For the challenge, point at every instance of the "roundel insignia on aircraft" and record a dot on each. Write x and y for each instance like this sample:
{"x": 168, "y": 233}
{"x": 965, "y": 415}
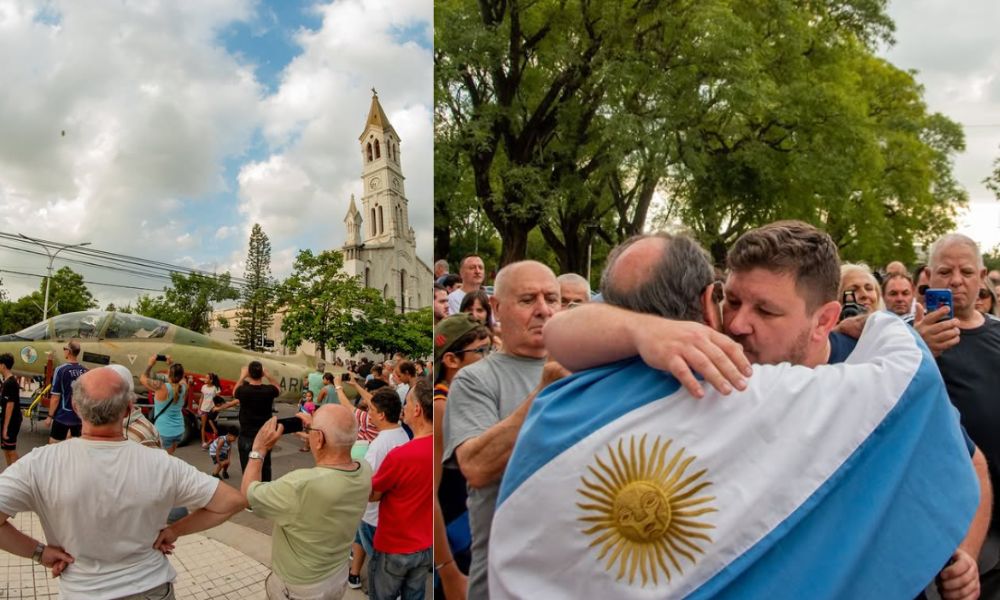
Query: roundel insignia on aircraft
{"x": 29, "y": 355}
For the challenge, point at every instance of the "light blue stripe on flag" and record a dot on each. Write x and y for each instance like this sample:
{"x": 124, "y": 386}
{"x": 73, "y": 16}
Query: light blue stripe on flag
{"x": 892, "y": 505}
{"x": 600, "y": 395}
{"x": 850, "y": 481}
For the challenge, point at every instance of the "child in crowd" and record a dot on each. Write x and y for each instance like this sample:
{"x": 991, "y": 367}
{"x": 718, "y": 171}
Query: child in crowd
{"x": 308, "y": 406}
{"x": 219, "y": 451}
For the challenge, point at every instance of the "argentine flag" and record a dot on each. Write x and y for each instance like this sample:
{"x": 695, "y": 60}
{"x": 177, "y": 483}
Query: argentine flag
{"x": 845, "y": 481}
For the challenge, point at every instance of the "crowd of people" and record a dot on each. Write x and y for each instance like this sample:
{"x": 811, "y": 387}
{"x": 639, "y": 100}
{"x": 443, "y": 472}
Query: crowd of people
{"x": 784, "y": 297}
{"x": 113, "y": 499}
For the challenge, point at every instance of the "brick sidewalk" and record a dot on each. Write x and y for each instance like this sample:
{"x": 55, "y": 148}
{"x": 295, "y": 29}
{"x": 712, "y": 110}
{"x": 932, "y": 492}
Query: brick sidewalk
{"x": 206, "y": 568}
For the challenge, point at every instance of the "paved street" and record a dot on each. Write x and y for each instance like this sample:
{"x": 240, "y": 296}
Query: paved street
{"x": 229, "y": 561}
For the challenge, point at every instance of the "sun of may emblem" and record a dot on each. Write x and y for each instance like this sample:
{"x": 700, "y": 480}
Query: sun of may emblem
{"x": 642, "y": 509}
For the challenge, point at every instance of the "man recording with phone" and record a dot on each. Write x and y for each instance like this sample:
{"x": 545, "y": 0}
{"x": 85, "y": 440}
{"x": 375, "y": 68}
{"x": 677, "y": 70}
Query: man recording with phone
{"x": 967, "y": 348}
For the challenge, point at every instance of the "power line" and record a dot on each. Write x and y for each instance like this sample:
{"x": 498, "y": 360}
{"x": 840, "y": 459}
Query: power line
{"x": 119, "y": 285}
{"x": 96, "y": 254}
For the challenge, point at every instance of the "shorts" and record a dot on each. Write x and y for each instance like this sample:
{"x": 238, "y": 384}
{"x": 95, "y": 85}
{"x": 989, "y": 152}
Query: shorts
{"x": 167, "y": 442}
{"x": 221, "y": 458}
{"x": 59, "y": 430}
{"x": 211, "y": 414}
{"x": 365, "y": 537}
{"x": 14, "y": 428}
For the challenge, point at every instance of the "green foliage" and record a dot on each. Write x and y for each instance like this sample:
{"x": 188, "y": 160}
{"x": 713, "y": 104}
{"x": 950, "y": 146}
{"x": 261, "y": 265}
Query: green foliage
{"x": 325, "y": 306}
{"x": 319, "y": 300}
{"x": 67, "y": 293}
{"x": 19, "y": 314}
{"x": 991, "y": 259}
{"x": 569, "y": 118}
{"x": 256, "y": 312}
{"x": 188, "y": 303}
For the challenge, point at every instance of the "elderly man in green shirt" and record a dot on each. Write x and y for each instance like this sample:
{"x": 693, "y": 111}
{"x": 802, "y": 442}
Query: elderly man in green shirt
{"x": 311, "y": 541}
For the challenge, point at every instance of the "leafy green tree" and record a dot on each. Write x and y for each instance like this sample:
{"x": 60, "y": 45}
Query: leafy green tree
{"x": 571, "y": 117}
{"x": 188, "y": 303}
{"x": 319, "y": 300}
{"x": 256, "y": 312}
{"x": 67, "y": 293}
{"x": 19, "y": 314}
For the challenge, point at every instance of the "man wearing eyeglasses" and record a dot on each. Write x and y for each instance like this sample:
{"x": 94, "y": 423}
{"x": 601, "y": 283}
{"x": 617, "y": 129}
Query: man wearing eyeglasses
{"x": 459, "y": 341}
{"x": 488, "y": 400}
{"x": 63, "y": 420}
{"x": 316, "y": 511}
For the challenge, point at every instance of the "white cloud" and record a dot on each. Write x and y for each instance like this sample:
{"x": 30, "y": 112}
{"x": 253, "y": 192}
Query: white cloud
{"x": 124, "y": 115}
{"x": 315, "y": 117}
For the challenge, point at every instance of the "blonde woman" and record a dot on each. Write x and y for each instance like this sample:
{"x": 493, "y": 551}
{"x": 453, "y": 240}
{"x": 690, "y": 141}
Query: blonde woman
{"x": 858, "y": 278}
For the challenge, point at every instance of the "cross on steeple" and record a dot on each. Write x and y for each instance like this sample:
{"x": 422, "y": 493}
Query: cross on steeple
{"x": 374, "y": 93}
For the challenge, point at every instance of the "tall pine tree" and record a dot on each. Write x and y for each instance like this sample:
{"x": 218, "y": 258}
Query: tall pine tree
{"x": 257, "y": 298}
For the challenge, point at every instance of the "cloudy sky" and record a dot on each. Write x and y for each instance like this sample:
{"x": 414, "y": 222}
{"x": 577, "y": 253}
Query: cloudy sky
{"x": 165, "y": 130}
{"x": 954, "y": 48}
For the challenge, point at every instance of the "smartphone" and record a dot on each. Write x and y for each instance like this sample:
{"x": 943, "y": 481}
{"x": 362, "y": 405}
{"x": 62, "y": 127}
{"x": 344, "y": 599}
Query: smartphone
{"x": 292, "y": 424}
{"x": 345, "y": 376}
{"x": 161, "y": 357}
{"x": 936, "y": 298}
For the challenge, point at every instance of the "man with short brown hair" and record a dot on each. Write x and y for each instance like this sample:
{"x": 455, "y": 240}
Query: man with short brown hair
{"x": 63, "y": 420}
{"x": 473, "y": 272}
{"x": 898, "y": 293}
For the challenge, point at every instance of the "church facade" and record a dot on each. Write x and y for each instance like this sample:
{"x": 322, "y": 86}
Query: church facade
{"x": 380, "y": 248}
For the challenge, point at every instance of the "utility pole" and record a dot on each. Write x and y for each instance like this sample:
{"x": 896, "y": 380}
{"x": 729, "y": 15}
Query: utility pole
{"x": 52, "y": 257}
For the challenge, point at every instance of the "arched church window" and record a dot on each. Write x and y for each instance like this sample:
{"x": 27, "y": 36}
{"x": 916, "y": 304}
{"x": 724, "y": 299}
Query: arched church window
{"x": 385, "y": 292}
{"x": 369, "y": 151}
{"x": 381, "y": 221}
{"x": 368, "y": 273}
{"x": 378, "y": 151}
{"x": 374, "y": 224}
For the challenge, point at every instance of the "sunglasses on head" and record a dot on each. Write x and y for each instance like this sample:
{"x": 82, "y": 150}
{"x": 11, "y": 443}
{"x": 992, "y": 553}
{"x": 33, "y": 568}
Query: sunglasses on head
{"x": 984, "y": 294}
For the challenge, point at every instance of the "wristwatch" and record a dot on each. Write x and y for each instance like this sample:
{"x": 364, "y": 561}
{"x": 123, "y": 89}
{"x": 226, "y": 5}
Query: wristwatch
{"x": 255, "y": 454}
{"x": 37, "y": 555}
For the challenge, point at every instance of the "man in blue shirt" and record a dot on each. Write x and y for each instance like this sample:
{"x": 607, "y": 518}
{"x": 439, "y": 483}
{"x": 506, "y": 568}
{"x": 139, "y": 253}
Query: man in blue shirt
{"x": 63, "y": 421}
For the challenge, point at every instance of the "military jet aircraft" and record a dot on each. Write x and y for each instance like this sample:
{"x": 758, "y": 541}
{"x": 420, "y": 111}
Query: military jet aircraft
{"x": 129, "y": 340}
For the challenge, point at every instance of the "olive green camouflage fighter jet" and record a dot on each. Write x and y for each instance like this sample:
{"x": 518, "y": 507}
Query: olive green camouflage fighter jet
{"x": 129, "y": 340}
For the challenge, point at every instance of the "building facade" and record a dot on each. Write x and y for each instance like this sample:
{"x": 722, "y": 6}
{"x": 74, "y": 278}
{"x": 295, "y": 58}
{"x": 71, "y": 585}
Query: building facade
{"x": 381, "y": 246}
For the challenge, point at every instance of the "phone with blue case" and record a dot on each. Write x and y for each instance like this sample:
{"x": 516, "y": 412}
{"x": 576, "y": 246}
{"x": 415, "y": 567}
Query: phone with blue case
{"x": 935, "y": 299}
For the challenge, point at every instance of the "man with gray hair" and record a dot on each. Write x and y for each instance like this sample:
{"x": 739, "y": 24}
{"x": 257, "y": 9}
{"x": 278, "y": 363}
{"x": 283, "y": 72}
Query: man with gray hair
{"x": 967, "y": 348}
{"x": 487, "y": 401}
{"x": 574, "y": 290}
{"x": 103, "y": 500}
{"x": 316, "y": 510}
{"x": 440, "y": 269}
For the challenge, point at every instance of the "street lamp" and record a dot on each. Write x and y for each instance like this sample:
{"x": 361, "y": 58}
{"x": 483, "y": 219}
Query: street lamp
{"x": 52, "y": 257}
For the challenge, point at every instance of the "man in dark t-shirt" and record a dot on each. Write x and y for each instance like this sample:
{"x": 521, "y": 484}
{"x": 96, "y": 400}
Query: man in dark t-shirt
{"x": 256, "y": 401}
{"x": 10, "y": 409}
{"x": 968, "y": 352}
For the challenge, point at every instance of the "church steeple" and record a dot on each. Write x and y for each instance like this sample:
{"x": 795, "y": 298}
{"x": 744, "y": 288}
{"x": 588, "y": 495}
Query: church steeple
{"x": 376, "y": 117}
{"x": 383, "y": 202}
